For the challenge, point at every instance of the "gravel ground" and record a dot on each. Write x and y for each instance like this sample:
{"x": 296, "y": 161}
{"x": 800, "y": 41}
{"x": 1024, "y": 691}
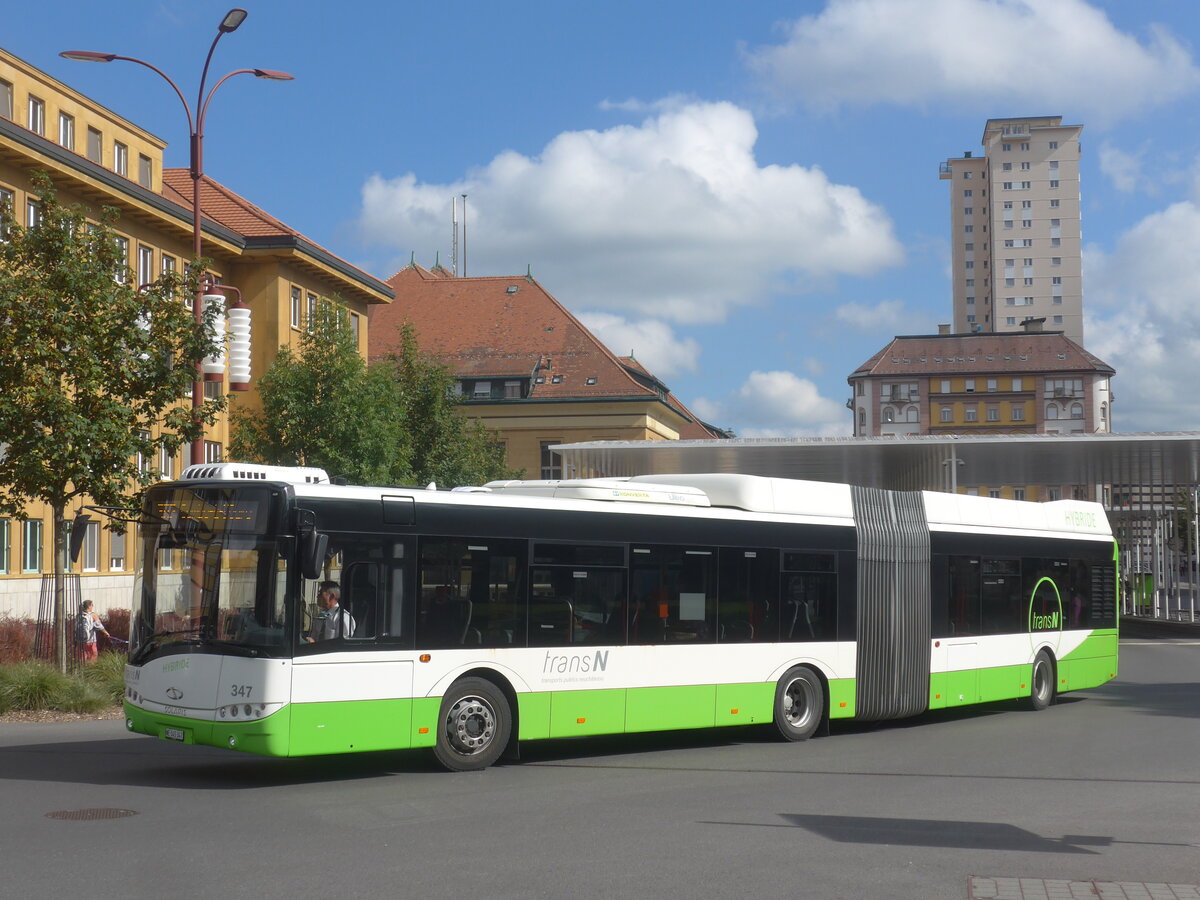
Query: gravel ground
{"x": 54, "y": 715}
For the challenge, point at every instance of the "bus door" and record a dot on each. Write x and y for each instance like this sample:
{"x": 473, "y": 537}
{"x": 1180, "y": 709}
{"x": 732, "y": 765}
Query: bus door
{"x": 956, "y": 654}
{"x": 349, "y": 691}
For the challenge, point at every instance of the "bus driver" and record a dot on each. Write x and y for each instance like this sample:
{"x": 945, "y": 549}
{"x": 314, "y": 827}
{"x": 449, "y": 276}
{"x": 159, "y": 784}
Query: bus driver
{"x": 333, "y": 622}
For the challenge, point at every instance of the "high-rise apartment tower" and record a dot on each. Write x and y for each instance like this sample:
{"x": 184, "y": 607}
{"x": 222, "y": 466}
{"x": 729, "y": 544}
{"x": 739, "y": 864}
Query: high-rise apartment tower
{"x": 1014, "y": 224}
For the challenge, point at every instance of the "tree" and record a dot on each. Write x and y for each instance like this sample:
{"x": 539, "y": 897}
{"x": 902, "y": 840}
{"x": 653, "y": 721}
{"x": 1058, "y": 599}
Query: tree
{"x": 391, "y": 422}
{"x": 322, "y": 406}
{"x": 446, "y": 447}
{"x": 92, "y": 368}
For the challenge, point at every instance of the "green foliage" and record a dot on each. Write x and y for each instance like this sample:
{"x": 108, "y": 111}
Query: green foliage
{"x": 321, "y": 406}
{"x": 35, "y": 685}
{"x": 89, "y": 366}
{"x": 392, "y": 422}
{"x": 106, "y": 675}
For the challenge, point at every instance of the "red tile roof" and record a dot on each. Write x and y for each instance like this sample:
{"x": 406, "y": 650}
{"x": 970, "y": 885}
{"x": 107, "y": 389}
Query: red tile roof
{"x": 509, "y": 326}
{"x": 225, "y": 207}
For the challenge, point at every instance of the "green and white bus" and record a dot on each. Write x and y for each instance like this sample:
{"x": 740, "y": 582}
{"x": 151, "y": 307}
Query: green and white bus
{"x": 472, "y": 619}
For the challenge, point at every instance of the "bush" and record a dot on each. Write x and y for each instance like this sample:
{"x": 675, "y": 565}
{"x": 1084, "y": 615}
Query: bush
{"x": 107, "y": 675}
{"x": 117, "y": 623}
{"x": 16, "y": 639}
{"x": 35, "y": 685}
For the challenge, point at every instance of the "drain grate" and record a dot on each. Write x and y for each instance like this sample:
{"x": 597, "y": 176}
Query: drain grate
{"x": 91, "y": 815}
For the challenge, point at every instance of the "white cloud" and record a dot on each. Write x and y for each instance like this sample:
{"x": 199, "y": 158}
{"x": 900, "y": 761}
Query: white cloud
{"x": 889, "y": 316}
{"x": 672, "y": 219}
{"x": 1123, "y": 169}
{"x": 1000, "y": 54}
{"x": 777, "y": 404}
{"x": 1143, "y": 319}
{"x": 653, "y": 343}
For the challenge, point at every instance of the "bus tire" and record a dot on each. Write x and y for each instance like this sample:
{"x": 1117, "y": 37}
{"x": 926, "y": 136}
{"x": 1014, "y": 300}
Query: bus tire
{"x": 1042, "y": 686}
{"x": 799, "y": 704}
{"x": 473, "y": 726}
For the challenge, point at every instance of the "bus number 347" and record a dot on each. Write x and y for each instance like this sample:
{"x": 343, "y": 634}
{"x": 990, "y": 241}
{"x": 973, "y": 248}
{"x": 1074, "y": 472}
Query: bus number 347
{"x": 241, "y": 690}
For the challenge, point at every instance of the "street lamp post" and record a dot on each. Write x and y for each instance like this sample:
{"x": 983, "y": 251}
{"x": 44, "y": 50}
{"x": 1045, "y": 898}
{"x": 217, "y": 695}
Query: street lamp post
{"x": 195, "y": 118}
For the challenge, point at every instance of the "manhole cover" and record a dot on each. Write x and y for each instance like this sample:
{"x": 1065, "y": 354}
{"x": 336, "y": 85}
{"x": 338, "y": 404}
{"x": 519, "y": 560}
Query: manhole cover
{"x": 90, "y": 815}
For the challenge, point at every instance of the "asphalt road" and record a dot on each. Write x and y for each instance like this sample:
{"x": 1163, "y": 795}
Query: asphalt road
{"x": 1103, "y": 786}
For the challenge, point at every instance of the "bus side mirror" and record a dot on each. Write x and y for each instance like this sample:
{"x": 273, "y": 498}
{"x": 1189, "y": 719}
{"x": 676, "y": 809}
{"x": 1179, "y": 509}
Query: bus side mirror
{"x": 312, "y": 544}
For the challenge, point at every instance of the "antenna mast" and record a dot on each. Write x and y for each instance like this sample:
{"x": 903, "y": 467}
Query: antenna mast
{"x": 454, "y": 235}
{"x": 464, "y": 243}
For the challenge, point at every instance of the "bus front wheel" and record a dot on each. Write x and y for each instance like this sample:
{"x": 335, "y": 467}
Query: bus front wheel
{"x": 473, "y": 726}
{"x": 799, "y": 704}
{"x": 1042, "y": 691}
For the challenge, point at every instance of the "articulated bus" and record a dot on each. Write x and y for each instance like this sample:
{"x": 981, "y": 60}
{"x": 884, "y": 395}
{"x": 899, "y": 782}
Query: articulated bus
{"x": 470, "y": 620}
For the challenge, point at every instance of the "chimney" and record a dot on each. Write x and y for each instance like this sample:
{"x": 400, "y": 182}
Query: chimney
{"x": 1033, "y": 326}
{"x": 944, "y": 328}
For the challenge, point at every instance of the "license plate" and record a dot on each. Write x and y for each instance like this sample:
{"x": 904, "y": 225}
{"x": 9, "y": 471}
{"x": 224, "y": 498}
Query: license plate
{"x": 174, "y": 734}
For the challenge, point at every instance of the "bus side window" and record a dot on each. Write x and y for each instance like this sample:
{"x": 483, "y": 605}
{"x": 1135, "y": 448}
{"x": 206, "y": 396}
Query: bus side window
{"x": 964, "y": 613}
{"x": 808, "y": 608}
{"x": 748, "y": 608}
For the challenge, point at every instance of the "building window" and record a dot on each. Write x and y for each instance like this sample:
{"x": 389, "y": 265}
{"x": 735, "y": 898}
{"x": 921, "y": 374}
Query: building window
{"x": 5, "y": 545}
{"x": 993, "y": 414}
{"x": 969, "y": 385}
{"x": 1076, "y": 410}
{"x": 512, "y": 390}
{"x": 945, "y": 386}
{"x": 1007, "y": 185}
{"x": 33, "y": 213}
{"x": 37, "y": 115}
{"x": 1024, "y": 145}
{"x": 970, "y": 282}
{"x": 312, "y": 311}
{"x": 1024, "y": 167}
{"x": 31, "y": 546}
{"x": 889, "y": 415}
{"x": 946, "y": 414}
{"x": 95, "y": 145}
{"x": 121, "y": 275}
{"x": 966, "y": 174}
{"x": 967, "y": 192}
{"x": 1027, "y": 223}
{"x": 968, "y": 247}
{"x": 356, "y": 327}
{"x": 145, "y": 171}
{"x": 991, "y": 385}
{"x": 120, "y": 158}
{"x": 967, "y": 211}
{"x": 994, "y": 493}
{"x": 1007, "y": 167}
{"x": 1006, "y": 147}
{"x": 143, "y": 463}
{"x": 6, "y": 203}
{"x": 1056, "y": 260}
{"x": 970, "y": 264}
{"x": 1018, "y": 493}
{"x": 1057, "y": 320}
{"x": 166, "y": 463}
{"x": 1053, "y": 182}
{"x": 212, "y": 451}
{"x": 968, "y": 229}
{"x": 551, "y": 461}
{"x": 1054, "y": 204}
{"x": 1054, "y": 145}
{"x": 482, "y": 390}
{"x": 91, "y": 547}
{"x": 116, "y": 550}
{"x": 1016, "y": 384}
{"x": 1018, "y": 413}
{"x": 297, "y": 307}
{"x": 970, "y": 413}
{"x": 1010, "y": 320}
{"x": 6, "y": 99}
{"x": 145, "y": 265}
{"x": 66, "y": 130}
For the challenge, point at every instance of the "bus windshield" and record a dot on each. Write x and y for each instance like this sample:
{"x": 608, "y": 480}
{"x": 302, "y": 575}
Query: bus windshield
{"x": 211, "y": 573}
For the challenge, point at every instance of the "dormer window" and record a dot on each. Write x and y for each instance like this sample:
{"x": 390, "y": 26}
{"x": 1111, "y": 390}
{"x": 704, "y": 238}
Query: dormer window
{"x": 482, "y": 390}
{"x": 591, "y": 380}
{"x": 556, "y": 379}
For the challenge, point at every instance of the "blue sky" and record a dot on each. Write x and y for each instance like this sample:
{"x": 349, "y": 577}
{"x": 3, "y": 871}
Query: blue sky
{"x": 743, "y": 194}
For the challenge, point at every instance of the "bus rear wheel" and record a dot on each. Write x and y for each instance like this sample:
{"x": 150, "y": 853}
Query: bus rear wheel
{"x": 473, "y": 726}
{"x": 1042, "y": 690}
{"x": 799, "y": 704}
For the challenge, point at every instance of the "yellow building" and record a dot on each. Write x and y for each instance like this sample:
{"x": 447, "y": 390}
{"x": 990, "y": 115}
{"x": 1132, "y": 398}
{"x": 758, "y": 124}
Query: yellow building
{"x": 98, "y": 158}
{"x": 528, "y": 369}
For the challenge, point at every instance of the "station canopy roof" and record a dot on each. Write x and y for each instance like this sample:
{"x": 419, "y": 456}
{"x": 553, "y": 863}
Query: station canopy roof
{"x": 911, "y": 462}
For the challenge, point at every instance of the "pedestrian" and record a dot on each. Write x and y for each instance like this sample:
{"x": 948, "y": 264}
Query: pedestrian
{"x": 87, "y": 624}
